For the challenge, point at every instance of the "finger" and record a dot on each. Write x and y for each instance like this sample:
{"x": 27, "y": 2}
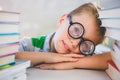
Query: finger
{"x": 37, "y": 66}
{"x": 47, "y": 67}
{"x": 70, "y": 59}
{"x": 74, "y": 55}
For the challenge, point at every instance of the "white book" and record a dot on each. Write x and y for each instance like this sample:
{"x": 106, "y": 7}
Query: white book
{"x": 111, "y": 22}
{"x": 118, "y": 43}
{"x": 116, "y": 48}
{"x": 111, "y": 13}
{"x": 109, "y": 4}
{"x": 8, "y": 49}
{"x": 20, "y": 65}
{"x": 9, "y": 16}
{"x": 116, "y": 55}
{"x": 7, "y": 59}
{"x": 21, "y": 75}
{"x": 5, "y": 28}
{"x": 113, "y": 72}
{"x": 113, "y": 33}
{"x": 9, "y": 38}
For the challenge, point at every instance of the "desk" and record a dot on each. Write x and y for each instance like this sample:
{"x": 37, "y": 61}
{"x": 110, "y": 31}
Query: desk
{"x": 75, "y": 74}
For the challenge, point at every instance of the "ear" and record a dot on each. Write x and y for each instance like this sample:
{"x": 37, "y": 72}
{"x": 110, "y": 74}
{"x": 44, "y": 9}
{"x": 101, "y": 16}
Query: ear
{"x": 62, "y": 18}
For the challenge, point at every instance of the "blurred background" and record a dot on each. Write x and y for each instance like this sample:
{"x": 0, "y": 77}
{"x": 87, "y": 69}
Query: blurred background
{"x": 40, "y": 16}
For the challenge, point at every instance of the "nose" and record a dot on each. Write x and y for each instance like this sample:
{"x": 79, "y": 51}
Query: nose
{"x": 75, "y": 46}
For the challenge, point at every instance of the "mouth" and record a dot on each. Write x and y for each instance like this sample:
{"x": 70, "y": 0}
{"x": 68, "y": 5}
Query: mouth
{"x": 66, "y": 47}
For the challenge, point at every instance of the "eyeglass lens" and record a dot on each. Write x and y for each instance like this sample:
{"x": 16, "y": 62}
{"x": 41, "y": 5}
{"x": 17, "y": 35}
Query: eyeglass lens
{"x": 76, "y": 30}
{"x": 87, "y": 47}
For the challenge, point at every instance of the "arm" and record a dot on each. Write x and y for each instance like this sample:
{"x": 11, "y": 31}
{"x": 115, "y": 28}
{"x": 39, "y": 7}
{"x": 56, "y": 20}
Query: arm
{"x": 98, "y": 61}
{"x": 46, "y": 57}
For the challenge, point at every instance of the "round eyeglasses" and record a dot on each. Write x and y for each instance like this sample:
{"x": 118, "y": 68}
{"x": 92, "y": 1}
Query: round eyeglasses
{"x": 76, "y": 31}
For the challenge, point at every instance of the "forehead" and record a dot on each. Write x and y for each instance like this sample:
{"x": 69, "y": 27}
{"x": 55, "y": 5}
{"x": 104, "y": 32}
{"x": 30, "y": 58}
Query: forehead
{"x": 89, "y": 23}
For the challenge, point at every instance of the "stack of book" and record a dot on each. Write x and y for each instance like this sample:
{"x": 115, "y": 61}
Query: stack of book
{"x": 9, "y": 37}
{"x": 10, "y": 69}
{"x": 15, "y": 72}
{"x": 110, "y": 18}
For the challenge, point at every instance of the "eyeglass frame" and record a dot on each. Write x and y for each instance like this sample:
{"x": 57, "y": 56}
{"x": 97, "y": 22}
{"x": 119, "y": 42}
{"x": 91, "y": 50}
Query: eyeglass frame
{"x": 81, "y": 37}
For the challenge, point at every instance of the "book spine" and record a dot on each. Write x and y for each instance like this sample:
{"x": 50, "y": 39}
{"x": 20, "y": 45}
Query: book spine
{"x": 111, "y": 62}
{"x": 112, "y": 71}
{"x": 7, "y": 54}
{"x": 9, "y": 44}
{"x": 12, "y": 43}
{"x": 6, "y": 22}
{"x": 9, "y": 12}
{"x": 11, "y": 63}
{"x": 9, "y": 33}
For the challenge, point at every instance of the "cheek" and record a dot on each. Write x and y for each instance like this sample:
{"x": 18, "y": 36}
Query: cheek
{"x": 58, "y": 46}
{"x": 58, "y": 43}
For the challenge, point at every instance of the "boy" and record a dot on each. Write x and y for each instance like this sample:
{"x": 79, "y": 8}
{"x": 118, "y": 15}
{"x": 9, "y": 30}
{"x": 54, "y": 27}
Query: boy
{"x": 76, "y": 35}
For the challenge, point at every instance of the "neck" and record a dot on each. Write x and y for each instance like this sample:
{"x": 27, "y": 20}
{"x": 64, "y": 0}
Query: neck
{"x": 52, "y": 48}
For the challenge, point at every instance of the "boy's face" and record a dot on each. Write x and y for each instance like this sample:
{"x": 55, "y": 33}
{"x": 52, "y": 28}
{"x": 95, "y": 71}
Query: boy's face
{"x": 64, "y": 43}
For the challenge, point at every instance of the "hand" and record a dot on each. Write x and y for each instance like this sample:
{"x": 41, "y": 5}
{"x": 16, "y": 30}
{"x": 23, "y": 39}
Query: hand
{"x": 57, "y": 66}
{"x": 55, "y": 58}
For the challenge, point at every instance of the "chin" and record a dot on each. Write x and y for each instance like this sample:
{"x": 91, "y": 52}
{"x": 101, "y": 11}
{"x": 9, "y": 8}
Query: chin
{"x": 60, "y": 50}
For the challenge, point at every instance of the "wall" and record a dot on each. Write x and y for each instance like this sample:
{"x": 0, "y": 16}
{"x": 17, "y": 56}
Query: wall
{"x": 39, "y": 16}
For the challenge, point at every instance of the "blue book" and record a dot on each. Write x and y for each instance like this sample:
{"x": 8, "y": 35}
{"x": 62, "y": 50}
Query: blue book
{"x": 9, "y": 34}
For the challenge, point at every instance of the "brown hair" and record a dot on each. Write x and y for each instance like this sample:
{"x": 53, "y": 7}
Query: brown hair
{"x": 92, "y": 9}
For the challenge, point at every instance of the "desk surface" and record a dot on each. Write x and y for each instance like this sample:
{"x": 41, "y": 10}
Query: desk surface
{"x": 75, "y": 74}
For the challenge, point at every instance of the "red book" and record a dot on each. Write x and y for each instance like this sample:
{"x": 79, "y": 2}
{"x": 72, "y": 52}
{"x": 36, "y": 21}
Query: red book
{"x": 113, "y": 72}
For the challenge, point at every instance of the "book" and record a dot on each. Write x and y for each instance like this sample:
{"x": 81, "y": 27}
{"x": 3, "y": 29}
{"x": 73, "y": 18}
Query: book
{"x": 7, "y": 65}
{"x": 9, "y": 16}
{"x": 111, "y": 13}
{"x": 7, "y": 49}
{"x": 17, "y": 76}
{"x": 113, "y": 72}
{"x": 15, "y": 72}
{"x": 109, "y": 4}
{"x": 110, "y": 22}
{"x": 7, "y": 59}
{"x": 113, "y": 33}
{"x": 110, "y": 19}
{"x": 116, "y": 55}
{"x": 117, "y": 43}
{"x": 9, "y": 37}
{"x": 5, "y": 28}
